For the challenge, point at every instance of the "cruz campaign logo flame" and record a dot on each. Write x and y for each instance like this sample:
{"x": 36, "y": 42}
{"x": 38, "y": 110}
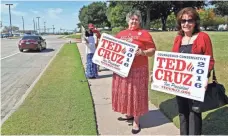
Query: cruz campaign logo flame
{"x": 190, "y": 67}
{"x": 123, "y": 50}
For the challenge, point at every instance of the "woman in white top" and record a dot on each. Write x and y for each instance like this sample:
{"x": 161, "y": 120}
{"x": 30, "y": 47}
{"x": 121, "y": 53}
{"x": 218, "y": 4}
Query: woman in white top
{"x": 91, "y": 68}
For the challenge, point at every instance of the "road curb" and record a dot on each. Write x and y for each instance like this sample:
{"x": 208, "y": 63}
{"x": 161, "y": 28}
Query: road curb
{"x": 18, "y": 104}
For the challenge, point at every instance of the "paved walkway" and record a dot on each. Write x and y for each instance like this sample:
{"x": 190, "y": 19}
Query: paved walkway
{"x": 153, "y": 123}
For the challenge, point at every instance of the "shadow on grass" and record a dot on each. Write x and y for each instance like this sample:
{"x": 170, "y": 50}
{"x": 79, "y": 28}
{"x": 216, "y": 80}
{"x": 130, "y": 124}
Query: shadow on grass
{"x": 214, "y": 123}
{"x": 169, "y": 108}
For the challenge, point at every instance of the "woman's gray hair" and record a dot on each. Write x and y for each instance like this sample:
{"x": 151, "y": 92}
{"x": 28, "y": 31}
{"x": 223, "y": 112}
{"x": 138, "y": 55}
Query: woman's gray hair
{"x": 132, "y": 13}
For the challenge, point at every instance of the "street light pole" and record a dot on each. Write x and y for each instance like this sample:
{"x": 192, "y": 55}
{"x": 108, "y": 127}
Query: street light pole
{"x": 38, "y": 24}
{"x": 36, "y": 28}
{"x": 34, "y": 25}
{"x": 44, "y": 28}
{"x": 53, "y": 29}
{"x": 10, "y": 18}
{"x": 23, "y": 25}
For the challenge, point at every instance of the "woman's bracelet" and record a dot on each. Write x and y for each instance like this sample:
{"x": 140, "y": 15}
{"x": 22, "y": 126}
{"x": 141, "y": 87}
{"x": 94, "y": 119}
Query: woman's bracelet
{"x": 144, "y": 53}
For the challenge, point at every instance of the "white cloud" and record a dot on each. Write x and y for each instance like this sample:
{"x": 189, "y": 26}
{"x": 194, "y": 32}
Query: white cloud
{"x": 34, "y": 11}
{"x": 18, "y": 13}
{"x": 5, "y": 10}
{"x": 53, "y": 13}
{"x": 75, "y": 15}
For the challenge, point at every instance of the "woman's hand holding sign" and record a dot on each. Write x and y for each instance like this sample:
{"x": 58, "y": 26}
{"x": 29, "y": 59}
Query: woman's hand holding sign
{"x": 139, "y": 52}
{"x": 149, "y": 52}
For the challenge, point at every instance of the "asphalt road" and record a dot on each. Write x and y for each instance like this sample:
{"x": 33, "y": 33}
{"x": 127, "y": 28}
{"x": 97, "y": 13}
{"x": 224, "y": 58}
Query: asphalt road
{"x": 19, "y": 70}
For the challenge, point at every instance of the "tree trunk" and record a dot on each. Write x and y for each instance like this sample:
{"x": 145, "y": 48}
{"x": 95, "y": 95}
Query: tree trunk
{"x": 205, "y": 27}
{"x": 147, "y": 18}
{"x": 163, "y": 19}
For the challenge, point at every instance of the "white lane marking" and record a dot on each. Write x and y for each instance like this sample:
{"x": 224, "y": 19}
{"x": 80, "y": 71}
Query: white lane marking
{"x": 9, "y": 56}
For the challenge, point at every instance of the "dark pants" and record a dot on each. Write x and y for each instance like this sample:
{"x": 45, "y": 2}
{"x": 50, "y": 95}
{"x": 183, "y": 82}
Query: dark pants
{"x": 190, "y": 121}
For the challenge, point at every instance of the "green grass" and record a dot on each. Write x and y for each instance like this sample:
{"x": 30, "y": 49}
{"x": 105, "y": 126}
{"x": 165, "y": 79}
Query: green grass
{"x": 59, "y": 104}
{"x": 76, "y": 36}
{"x": 216, "y": 121}
{"x": 61, "y": 37}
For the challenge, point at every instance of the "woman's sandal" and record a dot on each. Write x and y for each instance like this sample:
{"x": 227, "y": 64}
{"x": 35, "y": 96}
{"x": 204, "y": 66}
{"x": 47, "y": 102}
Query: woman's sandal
{"x": 126, "y": 118}
{"x": 134, "y": 131}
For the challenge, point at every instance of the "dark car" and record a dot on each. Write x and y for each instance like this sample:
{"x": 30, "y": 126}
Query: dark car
{"x": 32, "y": 42}
{"x": 5, "y": 35}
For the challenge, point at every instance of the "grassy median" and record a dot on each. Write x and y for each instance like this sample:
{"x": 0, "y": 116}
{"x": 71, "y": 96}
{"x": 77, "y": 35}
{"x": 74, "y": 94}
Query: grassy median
{"x": 74, "y": 36}
{"x": 214, "y": 122}
{"x": 59, "y": 104}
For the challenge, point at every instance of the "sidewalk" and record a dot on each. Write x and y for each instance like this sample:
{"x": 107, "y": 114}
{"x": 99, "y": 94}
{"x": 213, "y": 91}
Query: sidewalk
{"x": 153, "y": 123}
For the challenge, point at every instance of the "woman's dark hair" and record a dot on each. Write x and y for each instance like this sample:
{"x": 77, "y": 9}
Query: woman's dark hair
{"x": 86, "y": 34}
{"x": 90, "y": 32}
{"x": 195, "y": 16}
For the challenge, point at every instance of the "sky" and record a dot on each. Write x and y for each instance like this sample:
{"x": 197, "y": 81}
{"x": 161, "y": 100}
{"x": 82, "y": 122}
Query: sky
{"x": 61, "y": 14}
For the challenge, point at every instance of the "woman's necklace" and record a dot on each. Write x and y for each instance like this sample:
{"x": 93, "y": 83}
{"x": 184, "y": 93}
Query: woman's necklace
{"x": 189, "y": 40}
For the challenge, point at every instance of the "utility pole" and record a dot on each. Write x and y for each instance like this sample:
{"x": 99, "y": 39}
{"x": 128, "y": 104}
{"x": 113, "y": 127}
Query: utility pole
{"x": 34, "y": 25}
{"x": 38, "y": 24}
{"x": 53, "y": 29}
{"x": 10, "y": 19}
{"x": 44, "y": 28}
{"x": 23, "y": 25}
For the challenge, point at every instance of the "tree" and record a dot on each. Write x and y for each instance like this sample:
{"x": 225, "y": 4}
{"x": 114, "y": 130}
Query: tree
{"x": 178, "y": 5}
{"x": 83, "y": 17}
{"x": 94, "y": 13}
{"x": 7, "y": 29}
{"x": 207, "y": 17}
{"x": 116, "y": 14}
{"x": 149, "y": 10}
{"x": 221, "y": 7}
{"x": 155, "y": 24}
{"x": 171, "y": 21}
{"x": 153, "y": 10}
{"x": 218, "y": 20}
{"x": 97, "y": 14}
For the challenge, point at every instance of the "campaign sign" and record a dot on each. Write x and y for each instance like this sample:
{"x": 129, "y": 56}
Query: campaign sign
{"x": 180, "y": 74}
{"x": 115, "y": 54}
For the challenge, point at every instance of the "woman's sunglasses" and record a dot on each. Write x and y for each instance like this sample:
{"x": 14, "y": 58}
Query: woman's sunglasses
{"x": 190, "y": 21}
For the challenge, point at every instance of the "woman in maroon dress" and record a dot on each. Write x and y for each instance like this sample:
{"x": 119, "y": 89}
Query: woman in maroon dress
{"x": 130, "y": 94}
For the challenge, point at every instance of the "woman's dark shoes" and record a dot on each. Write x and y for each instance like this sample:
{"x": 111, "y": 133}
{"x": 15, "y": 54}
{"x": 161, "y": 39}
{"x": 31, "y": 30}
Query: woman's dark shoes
{"x": 126, "y": 118}
{"x": 136, "y": 131}
{"x": 92, "y": 77}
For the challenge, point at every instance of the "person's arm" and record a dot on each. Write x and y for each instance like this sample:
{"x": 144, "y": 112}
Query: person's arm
{"x": 208, "y": 50}
{"x": 95, "y": 39}
{"x": 149, "y": 43}
{"x": 149, "y": 52}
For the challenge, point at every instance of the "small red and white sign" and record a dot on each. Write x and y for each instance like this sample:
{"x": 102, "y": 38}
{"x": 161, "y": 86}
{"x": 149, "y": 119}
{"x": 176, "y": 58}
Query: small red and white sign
{"x": 115, "y": 54}
{"x": 181, "y": 74}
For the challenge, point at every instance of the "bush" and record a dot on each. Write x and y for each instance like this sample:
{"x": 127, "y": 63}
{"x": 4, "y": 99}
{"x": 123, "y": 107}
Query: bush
{"x": 117, "y": 29}
{"x": 107, "y": 32}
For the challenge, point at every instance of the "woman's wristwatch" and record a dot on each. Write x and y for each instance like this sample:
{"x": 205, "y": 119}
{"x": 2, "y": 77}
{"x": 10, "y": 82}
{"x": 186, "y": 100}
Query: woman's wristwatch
{"x": 143, "y": 53}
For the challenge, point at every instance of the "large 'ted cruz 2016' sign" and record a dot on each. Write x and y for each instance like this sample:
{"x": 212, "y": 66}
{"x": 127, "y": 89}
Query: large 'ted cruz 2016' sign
{"x": 180, "y": 74}
{"x": 115, "y": 54}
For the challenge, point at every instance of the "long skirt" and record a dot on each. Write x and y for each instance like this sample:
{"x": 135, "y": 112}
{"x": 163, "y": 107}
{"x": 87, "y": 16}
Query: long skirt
{"x": 130, "y": 94}
{"x": 91, "y": 68}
